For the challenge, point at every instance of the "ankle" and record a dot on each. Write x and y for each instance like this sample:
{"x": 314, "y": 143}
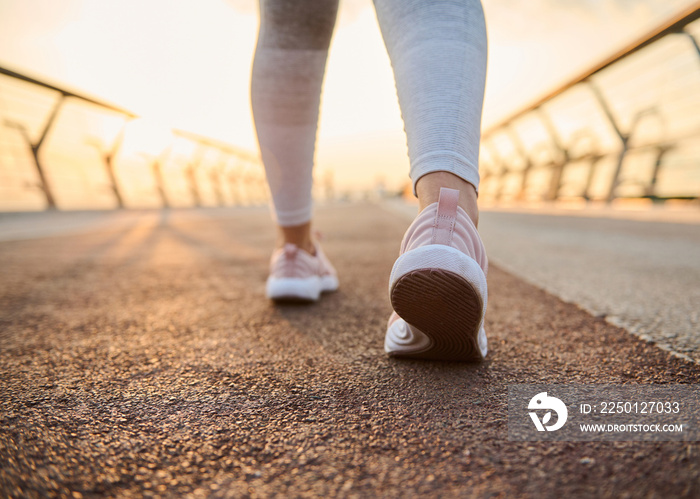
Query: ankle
{"x": 428, "y": 190}
{"x": 299, "y": 235}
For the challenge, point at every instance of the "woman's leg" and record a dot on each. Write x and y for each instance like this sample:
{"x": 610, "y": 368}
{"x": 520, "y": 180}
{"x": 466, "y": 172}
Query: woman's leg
{"x": 288, "y": 69}
{"x": 438, "y": 52}
{"x": 438, "y": 285}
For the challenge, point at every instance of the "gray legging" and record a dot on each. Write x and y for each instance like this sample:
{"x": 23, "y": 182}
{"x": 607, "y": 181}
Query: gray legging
{"x": 438, "y": 53}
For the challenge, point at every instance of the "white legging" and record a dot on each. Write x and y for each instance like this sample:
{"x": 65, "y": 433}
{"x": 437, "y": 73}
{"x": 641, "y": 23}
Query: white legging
{"x": 438, "y": 52}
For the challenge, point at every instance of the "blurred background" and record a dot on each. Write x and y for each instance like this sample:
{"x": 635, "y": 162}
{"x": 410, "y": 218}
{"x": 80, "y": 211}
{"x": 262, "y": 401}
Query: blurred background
{"x": 139, "y": 104}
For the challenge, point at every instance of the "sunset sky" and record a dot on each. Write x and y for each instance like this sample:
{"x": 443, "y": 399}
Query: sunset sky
{"x": 186, "y": 64}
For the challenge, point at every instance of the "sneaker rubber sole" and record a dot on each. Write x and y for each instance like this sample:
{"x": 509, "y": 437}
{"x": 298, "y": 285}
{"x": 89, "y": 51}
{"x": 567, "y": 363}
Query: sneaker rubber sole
{"x": 440, "y": 291}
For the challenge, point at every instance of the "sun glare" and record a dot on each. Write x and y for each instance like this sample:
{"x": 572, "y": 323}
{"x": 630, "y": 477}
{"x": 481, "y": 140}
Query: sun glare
{"x": 147, "y": 137}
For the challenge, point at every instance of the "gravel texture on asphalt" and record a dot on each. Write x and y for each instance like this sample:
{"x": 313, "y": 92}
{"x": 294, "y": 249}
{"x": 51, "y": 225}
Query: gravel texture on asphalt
{"x": 145, "y": 361}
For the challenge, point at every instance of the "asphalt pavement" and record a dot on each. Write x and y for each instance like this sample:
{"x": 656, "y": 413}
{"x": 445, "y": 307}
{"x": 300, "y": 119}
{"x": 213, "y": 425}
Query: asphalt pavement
{"x": 142, "y": 359}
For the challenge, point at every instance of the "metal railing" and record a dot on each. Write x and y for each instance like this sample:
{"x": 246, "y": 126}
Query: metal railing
{"x": 627, "y": 127}
{"x": 64, "y": 149}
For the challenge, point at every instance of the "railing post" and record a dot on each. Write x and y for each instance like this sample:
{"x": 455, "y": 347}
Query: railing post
{"x": 109, "y": 164}
{"x": 215, "y": 176}
{"x": 558, "y": 166}
{"x": 661, "y": 152}
{"x": 191, "y": 174}
{"x": 108, "y": 158}
{"x": 233, "y": 183}
{"x": 523, "y": 153}
{"x": 156, "y": 168}
{"x": 502, "y": 168}
{"x": 589, "y": 177}
{"x": 36, "y": 150}
{"x": 693, "y": 40}
{"x": 624, "y": 138}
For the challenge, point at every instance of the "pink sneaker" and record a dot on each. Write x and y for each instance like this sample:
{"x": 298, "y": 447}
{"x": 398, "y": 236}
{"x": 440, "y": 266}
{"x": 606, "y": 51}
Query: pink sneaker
{"x": 438, "y": 287}
{"x": 297, "y": 275}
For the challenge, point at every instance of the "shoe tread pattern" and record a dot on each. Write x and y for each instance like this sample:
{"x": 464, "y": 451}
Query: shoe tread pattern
{"x": 446, "y": 308}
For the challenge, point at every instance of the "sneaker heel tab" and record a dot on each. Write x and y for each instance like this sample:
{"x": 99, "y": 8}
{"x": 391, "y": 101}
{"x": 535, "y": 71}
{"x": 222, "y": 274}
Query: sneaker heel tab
{"x": 448, "y": 199}
{"x": 445, "y": 216}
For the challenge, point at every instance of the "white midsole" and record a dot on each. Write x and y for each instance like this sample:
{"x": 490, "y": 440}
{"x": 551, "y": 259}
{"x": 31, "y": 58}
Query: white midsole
{"x": 306, "y": 288}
